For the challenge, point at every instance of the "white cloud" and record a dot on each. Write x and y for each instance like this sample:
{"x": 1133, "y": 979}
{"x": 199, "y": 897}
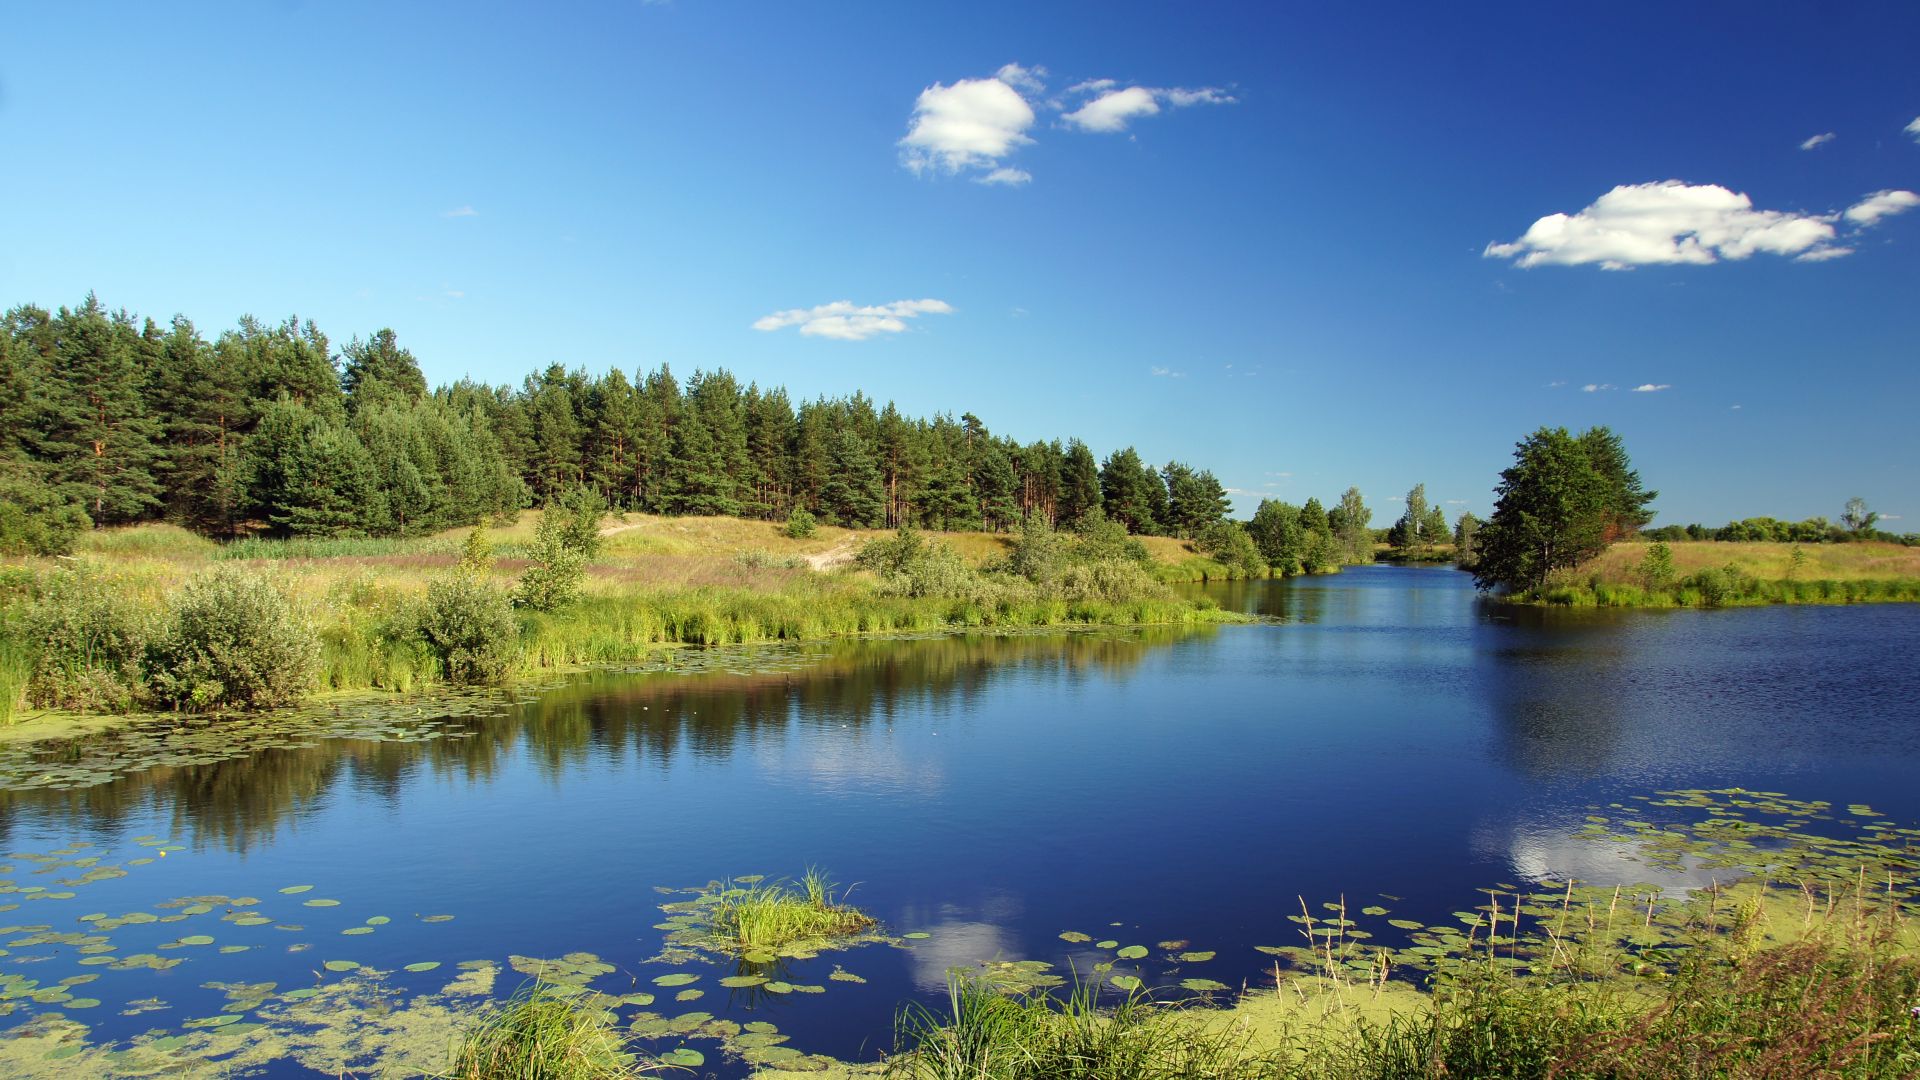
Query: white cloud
{"x": 1556, "y": 383}
{"x": 1669, "y": 222}
{"x": 1870, "y": 210}
{"x": 461, "y": 211}
{"x": 1112, "y": 109}
{"x": 1004, "y": 175}
{"x": 969, "y": 125}
{"x": 1025, "y": 79}
{"x": 1816, "y": 141}
{"x": 1889, "y": 517}
{"x": 1913, "y": 129}
{"x": 1734, "y": 408}
{"x": 1594, "y": 388}
{"x": 1167, "y": 373}
{"x": 1652, "y": 388}
{"x": 842, "y": 320}
{"x": 1456, "y": 502}
{"x": 1824, "y": 254}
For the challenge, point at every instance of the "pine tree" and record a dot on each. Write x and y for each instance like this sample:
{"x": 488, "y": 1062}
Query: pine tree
{"x": 854, "y": 495}
{"x": 379, "y": 366}
{"x": 105, "y": 446}
{"x": 1079, "y": 484}
{"x": 993, "y": 485}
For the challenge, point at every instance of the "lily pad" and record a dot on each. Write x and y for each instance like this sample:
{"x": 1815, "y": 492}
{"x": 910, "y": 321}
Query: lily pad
{"x": 1107, "y": 944}
{"x": 340, "y": 965}
{"x": 678, "y": 978}
{"x": 293, "y": 890}
{"x": 1202, "y": 985}
{"x": 424, "y": 965}
{"x": 1075, "y": 937}
{"x": 323, "y": 903}
{"x": 917, "y": 935}
{"x": 1125, "y": 982}
{"x": 1132, "y": 952}
{"x": 1195, "y": 957}
{"x": 684, "y": 1058}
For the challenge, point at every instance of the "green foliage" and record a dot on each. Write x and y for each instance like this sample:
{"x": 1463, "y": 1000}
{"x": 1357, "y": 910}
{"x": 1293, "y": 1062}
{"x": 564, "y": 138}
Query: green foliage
{"x": 1100, "y": 538}
{"x": 1195, "y": 500}
{"x": 1561, "y": 503}
{"x": 1857, "y": 517}
{"x": 467, "y": 622}
{"x": 1277, "y": 533}
{"x": 1466, "y": 540}
{"x": 89, "y": 638}
{"x": 543, "y": 1034}
{"x": 36, "y": 519}
{"x": 908, "y": 564}
{"x": 476, "y": 555}
{"x": 1040, "y": 554}
{"x": 1656, "y": 568}
{"x": 1348, "y": 525}
{"x": 558, "y": 568}
{"x": 233, "y": 639}
{"x": 1228, "y": 543}
{"x": 801, "y": 525}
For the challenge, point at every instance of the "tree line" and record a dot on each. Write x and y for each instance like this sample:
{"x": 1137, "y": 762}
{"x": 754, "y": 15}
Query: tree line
{"x": 108, "y": 419}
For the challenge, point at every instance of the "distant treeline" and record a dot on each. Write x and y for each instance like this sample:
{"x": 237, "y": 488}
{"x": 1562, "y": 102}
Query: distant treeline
{"x": 106, "y": 419}
{"x": 1815, "y": 530}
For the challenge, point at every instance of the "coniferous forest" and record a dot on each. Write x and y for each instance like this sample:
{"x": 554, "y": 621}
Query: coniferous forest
{"x": 107, "y": 418}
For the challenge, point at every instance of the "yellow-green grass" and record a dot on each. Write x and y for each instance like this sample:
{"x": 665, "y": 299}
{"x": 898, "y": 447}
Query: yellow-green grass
{"x": 540, "y": 1034}
{"x": 1711, "y": 574}
{"x": 657, "y": 581}
{"x": 1620, "y": 564}
{"x": 766, "y": 918}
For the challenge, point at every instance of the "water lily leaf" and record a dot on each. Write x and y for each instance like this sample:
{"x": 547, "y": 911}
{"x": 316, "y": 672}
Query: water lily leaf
{"x": 1107, "y": 944}
{"x": 340, "y": 965}
{"x": 424, "y": 965}
{"x": 197, "y": 939}
{"x": 917, "y": 935}
{"x": 1075, "y": 937}
{"x": 1203, "y": 985}
{"x": 323, "y": 903}
{"x": 778, "y": 987}
{"x": 293, "y": 890}
{"x": 1132, "y": 952}
{"x": 213, "y": 1021}
{"x": 678, "y": 978}
{"x": 354, "y": 931}
{"x": 689, "y": 995}
{"x": 735, "y": 982}
{"x": 436, "y": 918}
{"x": 1195, "y": 957}
{"x": 1125, "y": 982}
{"x": 685, "y": 1058}
{"x": 378, "y": 920}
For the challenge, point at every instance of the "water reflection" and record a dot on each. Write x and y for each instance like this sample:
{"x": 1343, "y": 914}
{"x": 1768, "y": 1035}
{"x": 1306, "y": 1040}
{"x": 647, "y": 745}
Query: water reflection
{"x": 607, "y": 717}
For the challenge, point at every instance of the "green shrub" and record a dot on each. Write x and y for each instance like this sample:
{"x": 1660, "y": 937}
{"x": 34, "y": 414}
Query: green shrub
{"x": 1101, "y": 537}
{"x": 91, "y": 640}
{"x": 36, "y": 521}
{"x": 1113, "y": 580}
{"x": 761, "y": 559}
{"x": 1656, "y": 568}
{"x": 1228, "y": 543}
{"x": 476, "y": 555}
{"x": 233, "y": 639}
{"x": 468, "y": 623}
{"x": 553, "y": 579}
{"x": 801, "y": 525}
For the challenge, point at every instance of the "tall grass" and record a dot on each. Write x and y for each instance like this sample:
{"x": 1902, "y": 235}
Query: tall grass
{"x": 988, "y": 1036}
{"x": 539, "y": 1034}
{"x": 769, "y": 917}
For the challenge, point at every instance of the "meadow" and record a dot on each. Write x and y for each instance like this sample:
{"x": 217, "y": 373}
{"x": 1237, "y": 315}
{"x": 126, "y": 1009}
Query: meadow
{"x": 654, "y": 581}
{"x": 1722, "y": 574}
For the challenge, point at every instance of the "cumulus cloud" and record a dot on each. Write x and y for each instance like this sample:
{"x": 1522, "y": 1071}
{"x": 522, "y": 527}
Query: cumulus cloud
{"x": 1652, "y": 388}
{"x": 969, "y": 126}
{"x": 1668, "y": 222}
{"x": 1167, "y": 373}
{"x": 1816, "y": 141}
{"x": 461, "y": 211}
{"x": 1112, "y": 107}
{"x": 1870, "y": 210}
{"x": 1913, "y": 129}
{"x": 842, "y": 320}
{"x": 1596, "y": 387}
{"x": 974, "y": 125}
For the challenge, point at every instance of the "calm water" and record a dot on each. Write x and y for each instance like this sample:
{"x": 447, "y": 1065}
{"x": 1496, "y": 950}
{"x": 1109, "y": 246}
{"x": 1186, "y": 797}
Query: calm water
{"x": 1392, "y": 736}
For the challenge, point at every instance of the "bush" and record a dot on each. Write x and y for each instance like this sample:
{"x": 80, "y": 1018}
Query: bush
{"x": 1103, "y": 538}
{"x": 559, "y": 564}
{"x": 476, "y": 555}
{"x": 1228, "y": 543}
{"x": 468, "y": 623}
{"x": 760, "y": 559}
{"x": 1040, "y": 554}
{"x": 91, "y": 639}
{"x": 35, "y": 521}
{"x": 542, "y": 1032}
{"x": 233, "y": 639}
{"x": 908, "y": 565}
{"x": 801, "y": 525}
{"x": 1116, "y": 581}
{"x": 1656, "y": 568}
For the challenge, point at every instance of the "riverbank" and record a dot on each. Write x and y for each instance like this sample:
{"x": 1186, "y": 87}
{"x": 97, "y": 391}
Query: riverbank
{"x": 654, "y": 582}
{"x": 1709, "y": 574}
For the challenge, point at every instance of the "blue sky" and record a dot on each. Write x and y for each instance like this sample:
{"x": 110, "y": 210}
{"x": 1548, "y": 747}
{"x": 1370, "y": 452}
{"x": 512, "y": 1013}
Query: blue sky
{"x": 1292, "y": 244}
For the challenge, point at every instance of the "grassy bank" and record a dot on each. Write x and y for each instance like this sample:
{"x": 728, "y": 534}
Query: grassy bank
{"x": 1712, "y": 574}
{"x": 101, "y": 632}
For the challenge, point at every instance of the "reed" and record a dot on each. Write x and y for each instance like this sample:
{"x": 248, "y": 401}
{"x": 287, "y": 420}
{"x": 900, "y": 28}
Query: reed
{"x": 540, "y": 1034}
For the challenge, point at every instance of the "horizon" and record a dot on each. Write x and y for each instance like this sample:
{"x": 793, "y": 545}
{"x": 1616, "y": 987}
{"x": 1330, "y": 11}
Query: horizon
{"x": 1314, "y": 203}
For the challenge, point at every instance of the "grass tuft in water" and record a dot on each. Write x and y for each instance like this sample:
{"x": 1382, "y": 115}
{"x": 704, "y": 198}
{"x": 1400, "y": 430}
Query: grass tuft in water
{"x": 769, "y": 917}
{"x": 538, "y": 1034}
